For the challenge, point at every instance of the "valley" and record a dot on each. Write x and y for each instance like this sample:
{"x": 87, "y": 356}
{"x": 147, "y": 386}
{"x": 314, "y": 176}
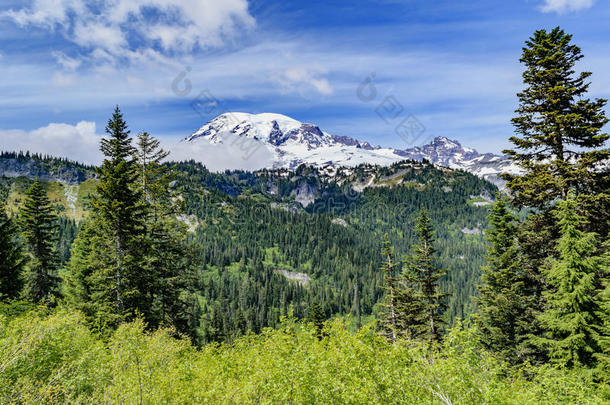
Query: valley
{"x": 256, "y": 234}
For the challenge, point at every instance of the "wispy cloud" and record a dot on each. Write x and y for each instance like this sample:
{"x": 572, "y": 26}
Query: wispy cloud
{"x": 564, "y": 6}
{"x": 302, "y": 79}
{"x": 120, "y": 30}
{"x": 66, "y": 62}
{"x": 268, "y": 77}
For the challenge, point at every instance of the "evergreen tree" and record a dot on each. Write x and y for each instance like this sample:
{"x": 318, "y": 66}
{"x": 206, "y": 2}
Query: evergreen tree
{"x": 356, "y": 305}
{"x": 168, "y": 262}
{"x": 153, "y": 176}
{"x": 79, "y": 281}
{"x": 560, "y": 142}
{"x": 409, "y": 305}
{"x": 559, "y": 145}
{"x": 12, "y": 259}
{"x": 508, "y": 302}
{"x": 213, "y": 325}
{"x": 424, "y": 270}
{"x": 68, "y": 229}
{"x": 113, "y": 267}
{"x": 39, "y": 228}
{"x": 316, "y": 316}
{"x": 576, "y": 321}
{"x": 402, "y": 307}
{"x": 389, "y": 323}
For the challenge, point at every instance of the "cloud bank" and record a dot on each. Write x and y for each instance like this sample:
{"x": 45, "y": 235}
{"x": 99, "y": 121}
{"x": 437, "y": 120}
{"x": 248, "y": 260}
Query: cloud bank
{"x": 233, "y": 153}
{"x": 77, "y": 142}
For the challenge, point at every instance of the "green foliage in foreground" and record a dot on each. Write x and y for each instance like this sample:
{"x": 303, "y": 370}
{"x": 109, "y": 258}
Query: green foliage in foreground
{"x": 54, "y": 358}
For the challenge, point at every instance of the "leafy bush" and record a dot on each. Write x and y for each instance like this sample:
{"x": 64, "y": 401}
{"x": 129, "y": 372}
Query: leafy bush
{"x": 49, "y": 359}
{"x": 56, "y": 359}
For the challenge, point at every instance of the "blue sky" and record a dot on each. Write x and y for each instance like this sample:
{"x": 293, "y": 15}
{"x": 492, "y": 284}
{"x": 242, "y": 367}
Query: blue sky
{"x": 454, "y": 65}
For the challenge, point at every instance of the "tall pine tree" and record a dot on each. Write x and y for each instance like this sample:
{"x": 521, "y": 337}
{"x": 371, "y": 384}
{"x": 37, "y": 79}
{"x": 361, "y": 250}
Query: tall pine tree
{"x": 168, "y": 262}
{"x": 422, "y": 265}
{"x": 559, "y": 142}
{"x": 509, "y": 294}
{"x": 12, "y": 259}
{"x": 559, "y": 145}
{"x": 576, "y": 321}
{"x": 39, "y": 228}
{"x": 153, "y": 176}
{"x": 109, "y": 257}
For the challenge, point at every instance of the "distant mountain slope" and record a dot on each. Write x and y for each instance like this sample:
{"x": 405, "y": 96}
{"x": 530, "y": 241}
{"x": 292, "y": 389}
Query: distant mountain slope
{"x": 291, "y": 143}
{"x": 46, "y": 168}
{"x": 448, "y": 153}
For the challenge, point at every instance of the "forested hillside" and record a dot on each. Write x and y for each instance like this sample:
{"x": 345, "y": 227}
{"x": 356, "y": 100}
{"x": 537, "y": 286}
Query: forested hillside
{"x": 269, "y": 240}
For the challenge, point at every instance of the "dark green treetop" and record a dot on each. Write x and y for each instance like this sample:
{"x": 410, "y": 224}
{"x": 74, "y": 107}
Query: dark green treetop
{"x": 39, "y": 228}
{"x": 559, "y": 141}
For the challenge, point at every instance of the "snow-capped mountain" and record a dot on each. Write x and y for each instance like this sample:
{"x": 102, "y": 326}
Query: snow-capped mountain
{"x": 290, "y": 143}
{"x": 445, "y": 152}
{"x": 274, "y": 129}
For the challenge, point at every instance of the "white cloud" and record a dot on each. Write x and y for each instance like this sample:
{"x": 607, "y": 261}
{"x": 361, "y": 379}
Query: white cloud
{"x": 78, "y": 142}
{"x": 563, "y": 6}
{"x": 100, "y": 36}
{"x": 131, "y": 29}
{"x": 294, "y": 78}
{"x": 46, "y": 13}
{"x": 65, "y": 61}
{"x": 233, "y": 153}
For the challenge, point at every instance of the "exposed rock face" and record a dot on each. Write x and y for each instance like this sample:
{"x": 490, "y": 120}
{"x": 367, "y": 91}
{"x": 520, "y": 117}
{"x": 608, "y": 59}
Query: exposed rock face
{"x": 301, "y": 278}
{"x": 68, "y": 173}
{"x": 346, "y": 140}
{"x": 305, "y": 193}
{"x": 339, "y": 221}
{"x": 473, "y": 231}
{"x": 276, "y": 136}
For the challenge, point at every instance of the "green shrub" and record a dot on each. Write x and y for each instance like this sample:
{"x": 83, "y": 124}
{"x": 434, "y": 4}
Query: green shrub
{"x": 56, "y": 359}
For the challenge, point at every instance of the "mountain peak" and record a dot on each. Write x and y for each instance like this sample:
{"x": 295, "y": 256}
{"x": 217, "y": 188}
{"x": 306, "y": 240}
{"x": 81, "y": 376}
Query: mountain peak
{"x": 257, "y": 126}
{"x": 442, "y": 141}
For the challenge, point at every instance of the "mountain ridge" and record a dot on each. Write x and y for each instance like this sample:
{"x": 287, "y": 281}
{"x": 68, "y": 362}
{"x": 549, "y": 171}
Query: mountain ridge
{"x": 292, "y": 143}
